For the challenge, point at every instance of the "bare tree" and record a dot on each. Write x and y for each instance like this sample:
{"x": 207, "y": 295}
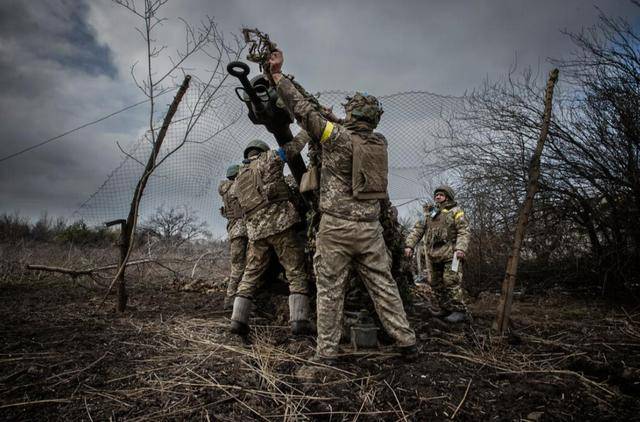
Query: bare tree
{"x": 583, "y": 227}
{"x": 175, "y": 225}
{"x": 205, "y": 41}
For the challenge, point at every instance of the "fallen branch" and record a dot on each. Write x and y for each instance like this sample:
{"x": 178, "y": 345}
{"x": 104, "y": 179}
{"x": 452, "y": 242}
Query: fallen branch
{"x": 89, "y": 271}
{"x": 29, "y": 403}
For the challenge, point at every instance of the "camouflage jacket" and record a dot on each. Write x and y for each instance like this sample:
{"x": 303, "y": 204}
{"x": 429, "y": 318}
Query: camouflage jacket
{"x": 235, "y": 226}
{"x": 446, "y": 232}
{"x": 276, "y": 217}
{"x": 336, "y": 195}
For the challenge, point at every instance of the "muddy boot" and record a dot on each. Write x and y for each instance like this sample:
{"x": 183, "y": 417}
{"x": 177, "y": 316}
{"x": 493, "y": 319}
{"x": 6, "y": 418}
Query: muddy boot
{"x": 408, "y": 353}
{"x": 299, "y": 314}
{"x": 317, "y": 369}
{"x": 240, "y": 316}
{"x": 324, "y": 360}
{"x": 456, "y": 317}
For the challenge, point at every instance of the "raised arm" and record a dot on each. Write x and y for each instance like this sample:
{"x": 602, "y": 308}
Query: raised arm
{"x": 317, "y": 127}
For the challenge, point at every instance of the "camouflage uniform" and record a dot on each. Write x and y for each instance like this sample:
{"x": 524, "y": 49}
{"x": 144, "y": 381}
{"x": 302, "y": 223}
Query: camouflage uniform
{"x": 272, "y": 226}
{"x": 349, "y": 232}
{"x": 237, "y": 232}
{"x": 444, "y": 233}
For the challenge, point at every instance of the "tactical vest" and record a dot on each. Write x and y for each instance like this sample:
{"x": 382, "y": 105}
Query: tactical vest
{"x": 232, "y": 209}
{"x": 250, "y": 189}
{"x": 441, "y": 230}
{"x": 369, "y": 167}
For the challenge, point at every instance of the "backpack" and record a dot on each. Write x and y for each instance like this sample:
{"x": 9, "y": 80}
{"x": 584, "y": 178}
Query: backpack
{"x": 232, "y": 208}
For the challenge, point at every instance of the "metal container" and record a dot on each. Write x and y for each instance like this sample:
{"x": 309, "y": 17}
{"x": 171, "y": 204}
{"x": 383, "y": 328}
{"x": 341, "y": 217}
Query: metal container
{"x": 364, "y": 333}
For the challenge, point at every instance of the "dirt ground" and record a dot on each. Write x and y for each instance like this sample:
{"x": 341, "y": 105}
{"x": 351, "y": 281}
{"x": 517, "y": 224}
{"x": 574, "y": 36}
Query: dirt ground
{"x": 170, "y": 358}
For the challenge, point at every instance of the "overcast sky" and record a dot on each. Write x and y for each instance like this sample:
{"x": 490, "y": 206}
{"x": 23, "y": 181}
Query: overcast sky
{"x": 66, "y": 62}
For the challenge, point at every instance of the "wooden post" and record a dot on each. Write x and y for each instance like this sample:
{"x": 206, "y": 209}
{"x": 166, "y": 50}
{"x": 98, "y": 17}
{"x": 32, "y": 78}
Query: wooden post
{"x": 123, "y": 245}
{"x": 129, "y": 226}
{"x": 508, "y": 284}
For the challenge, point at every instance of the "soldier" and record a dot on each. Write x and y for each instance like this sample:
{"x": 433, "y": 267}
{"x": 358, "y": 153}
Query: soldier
{"x": 269, "y": 215}
{"x": 353, "y": 180}
{"x": 236, "y": 230}
{"x": 447, "y": 232}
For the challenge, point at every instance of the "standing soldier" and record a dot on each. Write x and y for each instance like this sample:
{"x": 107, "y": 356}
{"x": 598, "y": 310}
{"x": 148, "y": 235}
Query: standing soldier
{"x": 353, "y": 180}
{"x": 447, "y": 233}
{"x": 263, "y": 194}
{"x": 237, "y": 231}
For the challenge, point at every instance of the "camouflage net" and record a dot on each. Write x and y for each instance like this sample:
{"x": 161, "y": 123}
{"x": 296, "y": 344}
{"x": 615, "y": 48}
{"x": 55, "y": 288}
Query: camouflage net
{"x": 190, "y": 176}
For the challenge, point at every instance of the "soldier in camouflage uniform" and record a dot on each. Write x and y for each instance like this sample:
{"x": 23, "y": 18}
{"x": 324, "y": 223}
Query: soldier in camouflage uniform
{"x": 445, "y": 231}
{"x": 270, "y": 216}
{"x": 350, "y": 233}
{"x": 237, "y": 231}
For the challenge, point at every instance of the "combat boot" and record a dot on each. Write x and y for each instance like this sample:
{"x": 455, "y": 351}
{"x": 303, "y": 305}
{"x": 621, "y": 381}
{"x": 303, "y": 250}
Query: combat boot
{"x": 324, "y": 360}
{"x": 408, "y": 353}
{"x": 240, "y": 316}
{"x": 299, "y": 314}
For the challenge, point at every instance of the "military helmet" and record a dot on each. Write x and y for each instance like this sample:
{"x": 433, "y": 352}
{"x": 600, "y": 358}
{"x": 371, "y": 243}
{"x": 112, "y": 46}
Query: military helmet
{"x": 256, "y": 144}
{"x": 447, "y": 190}
{"x": 232, "y": 171}
{"x": 365, "y": 107}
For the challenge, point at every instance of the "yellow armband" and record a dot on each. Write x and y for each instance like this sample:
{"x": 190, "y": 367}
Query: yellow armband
{"x": 328, "y": 129}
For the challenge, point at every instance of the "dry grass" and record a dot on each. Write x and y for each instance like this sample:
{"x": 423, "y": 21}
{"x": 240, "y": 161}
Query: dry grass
{"x": 170, "y": 357}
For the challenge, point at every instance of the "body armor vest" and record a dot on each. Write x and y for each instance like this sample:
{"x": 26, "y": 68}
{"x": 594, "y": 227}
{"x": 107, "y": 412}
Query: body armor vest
{"x": 441, "y": 229}
{"x": 251, "y": 192}
{"x": 369, "y": 167}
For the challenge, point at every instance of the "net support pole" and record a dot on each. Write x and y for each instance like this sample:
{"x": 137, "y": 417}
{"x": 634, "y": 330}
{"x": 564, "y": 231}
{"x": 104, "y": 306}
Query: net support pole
{"x": 129, "y": 226}
{"x": 501, "y": 322}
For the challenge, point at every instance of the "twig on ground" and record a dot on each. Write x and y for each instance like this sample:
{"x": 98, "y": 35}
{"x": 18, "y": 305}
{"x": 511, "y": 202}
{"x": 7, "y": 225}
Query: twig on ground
{"x": 404, "y": 416}
{"x": 463, "y": 399}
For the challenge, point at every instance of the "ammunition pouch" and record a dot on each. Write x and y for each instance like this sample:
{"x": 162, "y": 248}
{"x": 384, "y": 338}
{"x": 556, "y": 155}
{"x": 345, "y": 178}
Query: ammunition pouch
{"x": 309, "y": 181}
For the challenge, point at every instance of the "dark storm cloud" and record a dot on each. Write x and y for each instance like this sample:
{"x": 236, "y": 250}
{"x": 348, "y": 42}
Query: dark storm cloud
{"x": 56, "y": 31}
{"x": 63, "y": 63}
{"x": 446, "y": 47}
{"x": 53, "y": 75}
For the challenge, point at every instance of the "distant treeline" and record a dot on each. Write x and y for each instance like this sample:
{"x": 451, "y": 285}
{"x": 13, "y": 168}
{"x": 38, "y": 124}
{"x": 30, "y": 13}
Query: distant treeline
{"x": 15, "y": 228}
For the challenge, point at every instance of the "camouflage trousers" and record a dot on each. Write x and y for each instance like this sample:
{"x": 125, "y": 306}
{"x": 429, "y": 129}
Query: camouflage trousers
{"x": 447, "y": 287}
{"x": 290, "y": 253}
{"x": 341, "y": 244}
{"x": 238, "y": 252}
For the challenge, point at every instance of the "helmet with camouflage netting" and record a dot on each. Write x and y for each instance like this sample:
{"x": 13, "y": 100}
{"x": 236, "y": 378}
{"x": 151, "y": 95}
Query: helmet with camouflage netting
{"x": 363, "y": 106}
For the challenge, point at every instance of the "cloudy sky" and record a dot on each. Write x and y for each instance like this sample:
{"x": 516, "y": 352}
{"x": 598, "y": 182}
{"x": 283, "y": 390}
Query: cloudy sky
{"x": 67, "y": 62}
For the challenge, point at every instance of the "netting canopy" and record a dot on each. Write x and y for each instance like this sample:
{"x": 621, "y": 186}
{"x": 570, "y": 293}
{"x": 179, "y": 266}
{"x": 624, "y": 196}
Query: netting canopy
{"x": 190, "y": 175}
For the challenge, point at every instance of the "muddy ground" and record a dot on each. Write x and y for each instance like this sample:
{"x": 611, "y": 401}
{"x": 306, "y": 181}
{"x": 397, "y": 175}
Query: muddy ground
{"x": 62, "y": 357}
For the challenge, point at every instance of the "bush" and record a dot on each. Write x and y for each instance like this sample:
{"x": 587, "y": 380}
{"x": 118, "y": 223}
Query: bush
{"x": 80, "y": 233}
